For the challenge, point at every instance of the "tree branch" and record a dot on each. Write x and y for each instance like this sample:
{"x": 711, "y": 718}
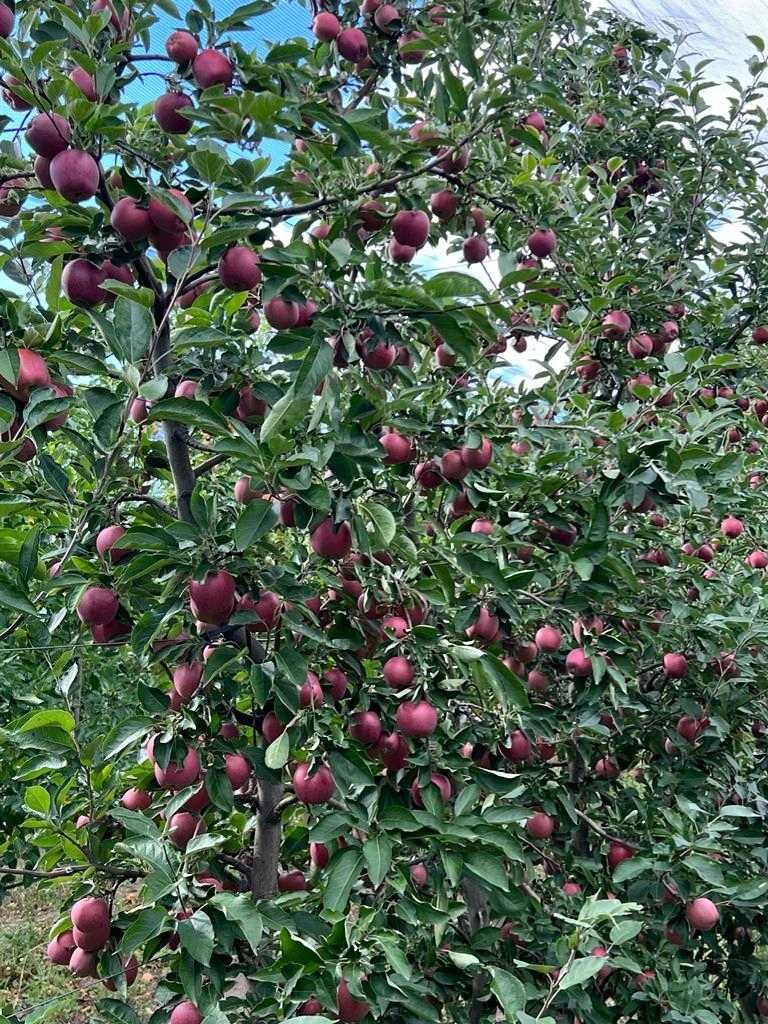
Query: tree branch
{"x": 266, "y": 841}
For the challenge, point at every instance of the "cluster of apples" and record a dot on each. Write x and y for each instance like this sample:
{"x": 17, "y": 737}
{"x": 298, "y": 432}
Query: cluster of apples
{"x": 78, "y": 948}
{"x": 33, "y": 373}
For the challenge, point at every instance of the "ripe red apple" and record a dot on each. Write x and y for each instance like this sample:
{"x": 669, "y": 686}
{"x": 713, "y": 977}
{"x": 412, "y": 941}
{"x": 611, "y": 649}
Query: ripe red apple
{"x": 352, "y": 44}
{"x": 548, "y": 639}
{"x": 398, "y": 672}
{"x": 475, "y": 249}
{"x": 757, "y": 559}
{"x": 351, "y": 1010}
{"x": 452, "y": 466}
{"x": 90, "y": 914}
{"x": 212, "y": 67}
{"x": 238, "y": 770}
{"x": 675, "y": 666}
{"x": 311, "y": 692}
{"x": 640, "y": 346}
{"x": 291, "y": 881}
{"x": 411, "y": 228}
{"x": 399, "y": 449}
{"x": 542, "y": 242}
{"x": 185, "y": 1012}
{"x": 607, "y": 768}
{"x": 85, "y": 83}
{"x": 330, "y": 540}
{"x": 442, "y": 782}
{"x": 33, "y": 373}
{"x": 6, "y": 21}
{"x": 578, "y": 663}
{"x": 98, "y": 606}
{"x": 731, "y": 527}
{"x": 338, "y": 682}
{"x": 419, "y": 875}
{"x": 181, "y": 46}
{"x": 280, "y": 314}
{"x": 319, "y": 855}
{"x": 186, "y": 679}
{"x": 164, "y": 218}
{"x": 702, "y": 914}
{"x": 616, "y": 324}
{"x": 83, "y": 964}
{"x": 136, "y": 799}
{"x": 370, "y": 216}
{"x": 518, "y": 747}
{"x": 60, "y": 949}
{"x": 540, "y": 825}
{"x": 43, "y": 173}
{"x": 91, "y": 941}
{"x": 179, "y": 776}
{"x": 271, "y": 727}
{"x": 239, "y": 268}
{"x": 444, "y": 204}
{"x": 183, "y": 827}
{"x": 366, "y": 727}
{"x": 387, "y": 18}
{"x": 392, "y": 750}
{"x": 81, "y": 282}
{"x": 485, "y": 627}
{"x": 106, "y": 538}
{"x": 417, "y": 718}
{"x": 378, "y": 357}
{"x": 399, "y": 253}
{"x": 618, "y": 852}
{"x": 571, "y": 889}
{"x": 478, "y": 458}
{"x": 130, "y": 220}
{"x": 326, "y": 26}
{"x": 689, "y": 728}
{"x": 212, "y": 599}
{"x": 48, "y": 134}
{"x": 760, "y": 335}
{"x": 313, "y": 787}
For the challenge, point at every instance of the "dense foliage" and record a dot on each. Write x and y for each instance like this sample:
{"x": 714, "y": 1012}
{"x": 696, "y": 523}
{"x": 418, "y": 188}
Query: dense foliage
{"x": 385, "y": 685}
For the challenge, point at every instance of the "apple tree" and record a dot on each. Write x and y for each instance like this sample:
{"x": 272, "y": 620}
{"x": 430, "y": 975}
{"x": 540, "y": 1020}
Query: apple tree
{"x": 347, "y": 675}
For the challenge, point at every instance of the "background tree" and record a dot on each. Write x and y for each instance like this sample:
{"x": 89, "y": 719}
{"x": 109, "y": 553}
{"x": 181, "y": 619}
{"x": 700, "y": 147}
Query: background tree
{"x": 395, "y": 689}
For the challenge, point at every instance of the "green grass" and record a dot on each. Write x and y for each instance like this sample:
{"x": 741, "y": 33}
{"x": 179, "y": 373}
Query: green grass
{"x": 29, "y": 984}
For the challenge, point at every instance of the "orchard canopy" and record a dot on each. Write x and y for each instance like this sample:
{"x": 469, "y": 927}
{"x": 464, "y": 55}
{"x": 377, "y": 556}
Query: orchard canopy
{"x": 345, "y": 675}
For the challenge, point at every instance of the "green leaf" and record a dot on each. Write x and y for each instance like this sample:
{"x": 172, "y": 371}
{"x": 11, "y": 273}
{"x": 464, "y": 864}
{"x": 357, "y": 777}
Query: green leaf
{"x": 190, "y": 412}
{"x": 284, "y": 414}
{"x": 255, "y": 522}
{"x": 377, "y": 852}
{"x": 314, "y": 369}
{"x": 384, "y": 522}
{"x": 123, "y": 736}
{"x": 45, "y": 719}
{"x": 395, "y": 956}
{"x": 144, "y": 926}
{"x": 509, "y": 991}
{"x": 37, "y": 800}
{"x": 580, "y": 971}
{"x": 28, "y": 554}
{"x": 343, "y": 872}
{"x": 623, "y": 931}
{"x": 278, "y": 751}
{"x": 118, "y": 1011}
{"x": 242, "y": 910}
{"x": 487, "y": 869}
{"x": 196, "y": 934}
{"x": 13, "y": 597}
{"x": 134, "y": 327}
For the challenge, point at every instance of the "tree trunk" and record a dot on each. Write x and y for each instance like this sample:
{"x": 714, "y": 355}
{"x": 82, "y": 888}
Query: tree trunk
{"x": 266, "y": 841}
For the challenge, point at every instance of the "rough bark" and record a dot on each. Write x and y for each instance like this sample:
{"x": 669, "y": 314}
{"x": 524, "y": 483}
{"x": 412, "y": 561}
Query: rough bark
{"x": 266, "y": 841}
{"x": 175, "y": 434}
